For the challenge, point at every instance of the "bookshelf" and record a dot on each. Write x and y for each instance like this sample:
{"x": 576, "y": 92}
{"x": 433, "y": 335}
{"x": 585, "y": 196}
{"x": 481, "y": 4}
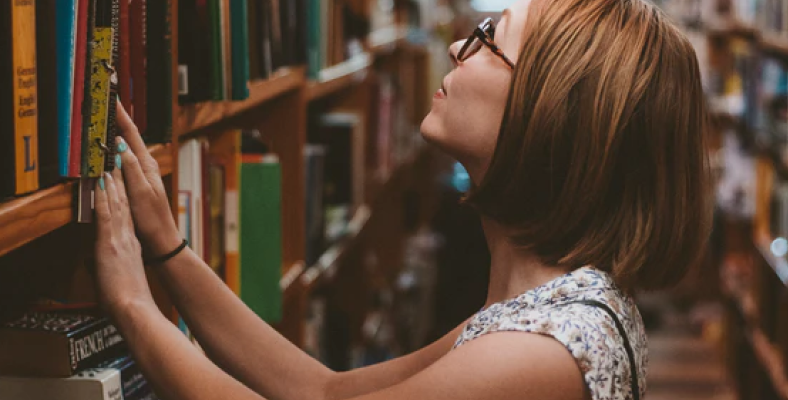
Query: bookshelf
{"x": 279, "y": 107}
{"x": 26, "y": 219}
{"x": 754, "y": 270}
{"x": 196, "y": 117}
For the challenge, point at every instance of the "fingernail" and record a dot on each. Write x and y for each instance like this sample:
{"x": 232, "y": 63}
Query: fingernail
{"x": 122, "y": 146}
{"x": 117, "y": 161}
{"x": 101, "y": 183}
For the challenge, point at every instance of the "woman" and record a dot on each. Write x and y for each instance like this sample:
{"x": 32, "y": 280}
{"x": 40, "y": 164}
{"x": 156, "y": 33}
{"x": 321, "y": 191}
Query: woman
{"x": 581, "y": 123}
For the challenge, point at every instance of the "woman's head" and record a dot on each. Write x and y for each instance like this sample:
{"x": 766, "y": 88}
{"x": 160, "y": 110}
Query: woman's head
{"x": 592, "y": 148}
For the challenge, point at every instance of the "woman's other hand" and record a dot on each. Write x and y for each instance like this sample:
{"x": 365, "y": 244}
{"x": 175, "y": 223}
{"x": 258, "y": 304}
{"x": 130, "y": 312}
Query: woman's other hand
{"x": 148, "y": 200}
{"x": 119, "y": 269}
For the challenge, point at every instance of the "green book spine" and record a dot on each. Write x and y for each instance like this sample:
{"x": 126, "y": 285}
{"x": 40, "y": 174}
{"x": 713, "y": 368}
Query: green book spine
{"x": 240, "y": 49}
{"x": 261, "y": 237}
{"x": 217, "y": 74}
{"x": 314, "y": 61}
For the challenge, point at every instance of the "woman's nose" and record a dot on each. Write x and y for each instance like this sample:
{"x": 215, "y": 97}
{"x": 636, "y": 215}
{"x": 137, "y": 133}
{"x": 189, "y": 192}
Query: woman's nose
{"x": 454, "y": 49}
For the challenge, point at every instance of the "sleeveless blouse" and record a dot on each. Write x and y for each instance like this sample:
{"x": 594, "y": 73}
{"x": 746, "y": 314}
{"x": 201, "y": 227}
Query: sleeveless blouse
{"x": 587, "y": 332}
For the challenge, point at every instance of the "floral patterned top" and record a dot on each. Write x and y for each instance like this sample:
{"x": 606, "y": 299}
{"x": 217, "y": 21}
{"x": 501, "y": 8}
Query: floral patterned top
{"x": 588, "y": 332}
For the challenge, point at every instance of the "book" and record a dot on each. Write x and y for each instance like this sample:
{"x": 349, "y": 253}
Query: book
{"x": 226, "y": 53}
{"x": 255, "y": 45}
{"x": 314, "y": 160}
{"x": 240, "y": 49}
{"x": 190, "y": 186}
{"x": 94, "y": 384}
{"x": 216, "y": 43}
{"x": 313, "y": 41}
{"x": 18, "y": 99}
{"x": 79, "y": 107}
{"x": 65, "y": 48}
{"x": 225, "y": 156}
{"x": 123, "y": 64}
{"x": 114, "y": 85}
{"x": 101, "y": 62}
{"x": 194, "y": 56}
{"x": 261, "y": 235}
{"x": 159, "y": 71}
{"x": 133, "y": 384}
{"x": 56, "y": 344}
{"x": 137, "y": 104}
{"x": 48, "y": 113}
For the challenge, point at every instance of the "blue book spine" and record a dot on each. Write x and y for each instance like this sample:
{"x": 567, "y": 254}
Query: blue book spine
{"x": 239, "y": 44}
{"x": 65, "y": 25}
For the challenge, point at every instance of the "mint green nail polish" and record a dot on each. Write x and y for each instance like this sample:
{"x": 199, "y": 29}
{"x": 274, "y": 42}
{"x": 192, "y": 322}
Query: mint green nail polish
{"x": 122, "y": 146}
{"x": 101, "y": 183}
{"x": 117, "y": 161}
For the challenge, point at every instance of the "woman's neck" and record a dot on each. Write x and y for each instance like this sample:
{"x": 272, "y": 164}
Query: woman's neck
{"x": 513, "y": 271}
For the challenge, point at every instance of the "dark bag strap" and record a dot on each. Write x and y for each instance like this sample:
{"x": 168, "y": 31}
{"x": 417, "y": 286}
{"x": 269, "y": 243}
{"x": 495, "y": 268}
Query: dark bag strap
{"x": 632, "y": 366}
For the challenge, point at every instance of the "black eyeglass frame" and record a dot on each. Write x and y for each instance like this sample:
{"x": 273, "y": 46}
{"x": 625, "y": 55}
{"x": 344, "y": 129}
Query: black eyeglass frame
{"x": 485, "y": 34}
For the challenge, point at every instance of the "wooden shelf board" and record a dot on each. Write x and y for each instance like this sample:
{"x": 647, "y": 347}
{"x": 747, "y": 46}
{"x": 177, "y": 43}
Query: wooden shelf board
{"x": 338, "y": 77}
{"x": 326, "y": 266}
{"x": 732, "y": 29}
{"x": 194, "y": 117}
{"x": 28, "y": 218}
{"x": 384, "y": 41}
{"x": 774, "y": 45}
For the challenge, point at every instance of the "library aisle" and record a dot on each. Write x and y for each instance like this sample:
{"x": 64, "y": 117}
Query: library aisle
{"x": 684, "y": 361}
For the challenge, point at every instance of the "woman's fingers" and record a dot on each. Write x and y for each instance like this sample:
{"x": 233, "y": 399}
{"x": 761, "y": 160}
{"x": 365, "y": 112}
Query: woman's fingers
{"x": 103, "y": 211}
{"x": 112, "y": 195}
{"x": 132, "y": 136}
{"x": 120, "y": 185}
{"x": 130, "y": 166}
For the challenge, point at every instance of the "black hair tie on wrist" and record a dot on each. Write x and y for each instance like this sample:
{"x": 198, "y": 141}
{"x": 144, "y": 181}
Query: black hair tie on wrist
{"x": 166, "y": 257}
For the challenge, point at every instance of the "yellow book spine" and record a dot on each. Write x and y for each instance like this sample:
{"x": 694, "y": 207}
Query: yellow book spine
{"x": 100, "y": 73}
{"x": 25, "y": 95}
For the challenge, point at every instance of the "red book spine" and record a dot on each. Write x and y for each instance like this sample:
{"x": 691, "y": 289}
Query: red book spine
{"x": 138, "y": 48}
{"x": 124, "y": 69}
{"x": 75, "y": 158}
{"x": 206, "y": 203}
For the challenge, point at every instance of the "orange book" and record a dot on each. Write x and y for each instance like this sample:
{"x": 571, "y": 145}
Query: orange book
{"x": 19, "y": 104}
{"x": 225, "y": 152}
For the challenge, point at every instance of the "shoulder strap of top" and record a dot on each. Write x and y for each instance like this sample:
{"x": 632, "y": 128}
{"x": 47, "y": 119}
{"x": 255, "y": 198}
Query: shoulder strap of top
{"x": 627, "y": 345}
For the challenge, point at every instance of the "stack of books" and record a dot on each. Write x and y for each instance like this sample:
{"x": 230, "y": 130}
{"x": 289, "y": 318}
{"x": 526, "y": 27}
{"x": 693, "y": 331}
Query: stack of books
{"x": 67, "y": 355}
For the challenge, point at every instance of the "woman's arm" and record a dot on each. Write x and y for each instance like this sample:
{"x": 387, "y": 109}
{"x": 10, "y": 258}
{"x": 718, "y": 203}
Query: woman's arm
{"x": 230, "y": 333}
{"x": 249, "y": 349}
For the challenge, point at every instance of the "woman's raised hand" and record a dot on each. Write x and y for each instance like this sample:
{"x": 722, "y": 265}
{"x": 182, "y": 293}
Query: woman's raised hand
{"x": 150, "y": 208}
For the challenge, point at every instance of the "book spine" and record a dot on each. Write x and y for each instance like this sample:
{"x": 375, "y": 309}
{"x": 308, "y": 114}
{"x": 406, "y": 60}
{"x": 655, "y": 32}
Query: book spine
{"x": 66, "y": 21}
{"x": 217, "y": 86}
{"x": 114, "y": 87}
{"x": 81, "y": 54}
{"x": 94, "y": 384}
{"x": 87, "y": 97}
{"x": 159, "y": 64}
{"x": 21, "y": 33}
{"x": 94, "y": 344}
{"x": 124, "y": 52}
{"x": 47, "y": 75}
{"x": 314, "y": 61}
{"x": 240, "y": 49}
{"x": 261, "y": 236}
{"x": 100, "y": 82}
{"x": 138, "y": 10}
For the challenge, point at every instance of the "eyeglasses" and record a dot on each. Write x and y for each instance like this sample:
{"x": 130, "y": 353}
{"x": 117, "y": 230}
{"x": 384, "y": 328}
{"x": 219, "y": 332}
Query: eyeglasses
{"x": 483, "y": 35}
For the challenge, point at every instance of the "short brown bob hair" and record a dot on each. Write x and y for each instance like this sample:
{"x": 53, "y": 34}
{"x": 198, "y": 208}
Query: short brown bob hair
{"x": 601, "y": 158}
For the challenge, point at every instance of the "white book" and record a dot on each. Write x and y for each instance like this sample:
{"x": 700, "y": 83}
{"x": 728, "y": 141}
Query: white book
{"x": 92, "y": 384}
